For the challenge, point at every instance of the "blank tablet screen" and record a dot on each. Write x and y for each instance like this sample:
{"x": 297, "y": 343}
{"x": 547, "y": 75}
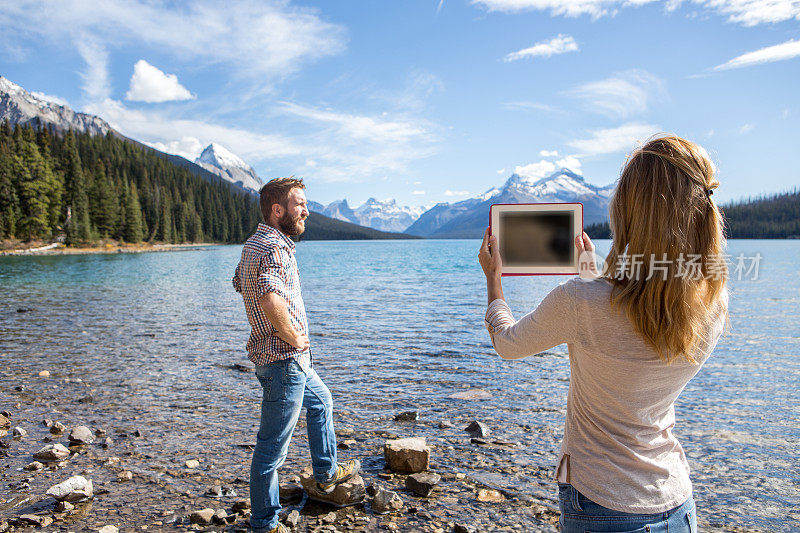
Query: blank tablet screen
{"x": 536, "y": 238}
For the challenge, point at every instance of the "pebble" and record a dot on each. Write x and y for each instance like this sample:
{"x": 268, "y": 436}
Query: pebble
{"x": 57, "y": 428}
{"x": 407, "y": 415}
{"x": 80, "y": 435}
{"x": 35, "y": 466}
{"x": 108, "y": 529}
{"x": 292, "y": 519}
{"x": 192, "y": 463}
{"x": 19, "y": 433}
{"x": 422, "y": 483}
{"x": 125, "y": 475}
{"x": 44, "y": 373}
{"x": 490, "y": 495}
{"x": 64, "y": 507}
{"x": 4, "y": 421}
{"x": 386, "y": 501}
{"x": 107, "y": 442}
{"x": 34, "y": 520}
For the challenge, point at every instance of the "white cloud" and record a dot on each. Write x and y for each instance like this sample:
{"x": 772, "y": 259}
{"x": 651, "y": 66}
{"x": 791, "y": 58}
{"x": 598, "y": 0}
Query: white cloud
{"x": 622, "y": 95}
{"x": 746, "y": 128}
{"x": 560, "y": 44}
{"x": 528, "y": 106}
{"x": 710, "y": 133}
{"x": 418, "y": 193}
{"x": 612, "y": 140}
{"x": 188, "y": 147}
{"x": 448, "y": 192}
{"x": 151, "y": 85}
{"x": 535, "y": 170}
{"x": 255, "y": 39}
{"x": 568, "y": 8}
{"x": 785, "y": 113}
{"x": 779, "y": 52}
{"x": 744, "y": 12}
{"x": 548, "y": 153}
{"x": 50, "y": 98}
{"x": 161, "y": 131}
{"x": 570, "y": 162}
{"x": 754, "y": 12}
{"x": 95, "y": 78}
{"x": 501, "y": 171}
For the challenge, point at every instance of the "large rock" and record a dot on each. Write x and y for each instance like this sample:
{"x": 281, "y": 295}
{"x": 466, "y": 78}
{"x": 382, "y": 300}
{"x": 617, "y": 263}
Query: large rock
{"x": 407, "y": 455}
{"x": 202, "y": 517}
{"x": 348, "y": 493}
{"x": 478, "y": 429}
{"x": 75, "y": 489}
{"x": 386, "y": 501}
{"x": 80, "y": 435}
{"x": 52, "y": 453}
{"x": 422, "y": 483}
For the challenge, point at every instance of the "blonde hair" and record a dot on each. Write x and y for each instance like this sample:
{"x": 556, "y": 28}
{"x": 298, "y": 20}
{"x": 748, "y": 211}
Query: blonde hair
{"x": 662, "y": 212}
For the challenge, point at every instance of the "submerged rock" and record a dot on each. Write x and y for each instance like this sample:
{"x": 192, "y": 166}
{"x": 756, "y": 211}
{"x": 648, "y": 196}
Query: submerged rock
{"x": 407, "y": 415}
{"x": 386, "y": 501}
{"x": 52, "y": 453}
{"x": 80, "y": 435}
{"x": 57, "y": 428}
{"x": 422, "y": 483}
{"x": 407, "y": 455}
{"x": 478, "y": 429}
{"x": 75, "y": 489}
{"x": 19, "y": 433}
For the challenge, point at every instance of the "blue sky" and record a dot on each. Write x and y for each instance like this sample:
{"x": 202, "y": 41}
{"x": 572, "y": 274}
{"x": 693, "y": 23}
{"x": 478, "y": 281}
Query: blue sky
{"x": 427, "y": 101}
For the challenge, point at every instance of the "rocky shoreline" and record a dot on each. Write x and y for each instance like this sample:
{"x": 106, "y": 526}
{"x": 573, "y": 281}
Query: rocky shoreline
{"x": 60, "y": 249}
{"x": 66, "y": 472}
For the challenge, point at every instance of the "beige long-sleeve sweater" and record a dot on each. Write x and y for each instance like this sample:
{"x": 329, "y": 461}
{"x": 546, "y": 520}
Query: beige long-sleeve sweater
{"x": 618, "y": 447}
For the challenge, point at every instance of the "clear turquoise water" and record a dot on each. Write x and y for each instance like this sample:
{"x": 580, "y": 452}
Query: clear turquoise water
{"x": 397, "y": 325}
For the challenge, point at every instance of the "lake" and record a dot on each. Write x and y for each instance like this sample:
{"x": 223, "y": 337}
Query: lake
{"x": 146, "y": 342}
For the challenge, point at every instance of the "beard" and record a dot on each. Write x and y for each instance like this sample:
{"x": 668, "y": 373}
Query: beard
{"x": 291, "y": 225}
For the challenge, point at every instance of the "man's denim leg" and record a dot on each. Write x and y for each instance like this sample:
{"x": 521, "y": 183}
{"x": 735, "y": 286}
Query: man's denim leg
{"x": 319, "y": 422}
{"x": 283, "y": 384}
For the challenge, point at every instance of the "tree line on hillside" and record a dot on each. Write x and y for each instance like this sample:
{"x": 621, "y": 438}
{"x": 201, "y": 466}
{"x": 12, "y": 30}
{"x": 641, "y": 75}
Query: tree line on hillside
{"x": 88, "y": 188}
{"x": 776, "y": 216}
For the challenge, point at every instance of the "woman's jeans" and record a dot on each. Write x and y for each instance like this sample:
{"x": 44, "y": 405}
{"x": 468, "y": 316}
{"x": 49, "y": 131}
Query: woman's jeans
{"x": 579, "y": 514}
{"x": 286, "y": 389}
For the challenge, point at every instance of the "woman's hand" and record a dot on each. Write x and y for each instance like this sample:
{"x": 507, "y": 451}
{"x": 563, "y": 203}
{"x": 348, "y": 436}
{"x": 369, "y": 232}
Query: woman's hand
{"x": 489, "y": 256}
{"x": 492, "y": 265}
{"x": 587, "y": 262}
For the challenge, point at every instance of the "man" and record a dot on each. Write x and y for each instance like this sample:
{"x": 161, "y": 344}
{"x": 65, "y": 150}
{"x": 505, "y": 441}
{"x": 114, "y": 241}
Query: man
{"x": 269, "y": 282}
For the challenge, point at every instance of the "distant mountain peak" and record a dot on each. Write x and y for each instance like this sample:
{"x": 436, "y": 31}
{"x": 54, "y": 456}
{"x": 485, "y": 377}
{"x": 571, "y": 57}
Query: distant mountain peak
{"x": 229, "y": 166}
{"x": 19, "y": 106}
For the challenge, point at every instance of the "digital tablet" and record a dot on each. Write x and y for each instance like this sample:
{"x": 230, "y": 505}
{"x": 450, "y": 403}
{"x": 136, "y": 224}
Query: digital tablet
{"x": 537, "y": 239}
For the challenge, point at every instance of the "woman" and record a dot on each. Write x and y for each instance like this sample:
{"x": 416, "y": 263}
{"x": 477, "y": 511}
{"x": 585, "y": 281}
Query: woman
{"x": 636, "y": 333}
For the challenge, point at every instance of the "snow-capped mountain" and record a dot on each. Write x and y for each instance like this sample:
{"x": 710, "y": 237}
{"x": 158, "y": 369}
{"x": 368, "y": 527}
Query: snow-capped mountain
{"x": 18, "y": 106}
{"x": 469, "y": 218}
{"x": 383, "y": 215}
{"x": 225, "y": 164}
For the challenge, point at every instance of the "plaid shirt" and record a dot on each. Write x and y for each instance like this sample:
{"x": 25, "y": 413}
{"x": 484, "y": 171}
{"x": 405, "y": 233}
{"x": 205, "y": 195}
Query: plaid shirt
{"x": 268, "y": 265}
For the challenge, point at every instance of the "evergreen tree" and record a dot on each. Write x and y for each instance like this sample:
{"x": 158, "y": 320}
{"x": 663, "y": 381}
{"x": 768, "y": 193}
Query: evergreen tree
{"x": 133, "y": 216}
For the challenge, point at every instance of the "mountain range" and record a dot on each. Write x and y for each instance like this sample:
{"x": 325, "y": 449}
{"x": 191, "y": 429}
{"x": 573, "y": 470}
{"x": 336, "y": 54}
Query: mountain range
{"x": 467, "y": 219}
{"x": 464, "y": 219}
{"x": 383, "y": 215}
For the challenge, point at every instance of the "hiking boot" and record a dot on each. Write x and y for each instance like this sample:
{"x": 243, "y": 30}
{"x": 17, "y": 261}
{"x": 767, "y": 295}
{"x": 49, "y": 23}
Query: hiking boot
{"x": 280, "y": 528}
{"x": 344, "y": 471}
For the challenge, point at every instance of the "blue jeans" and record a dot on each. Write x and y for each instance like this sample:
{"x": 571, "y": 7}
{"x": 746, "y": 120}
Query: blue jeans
{"x": 286, "y": 389}
{"x": 579, "y": 514}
